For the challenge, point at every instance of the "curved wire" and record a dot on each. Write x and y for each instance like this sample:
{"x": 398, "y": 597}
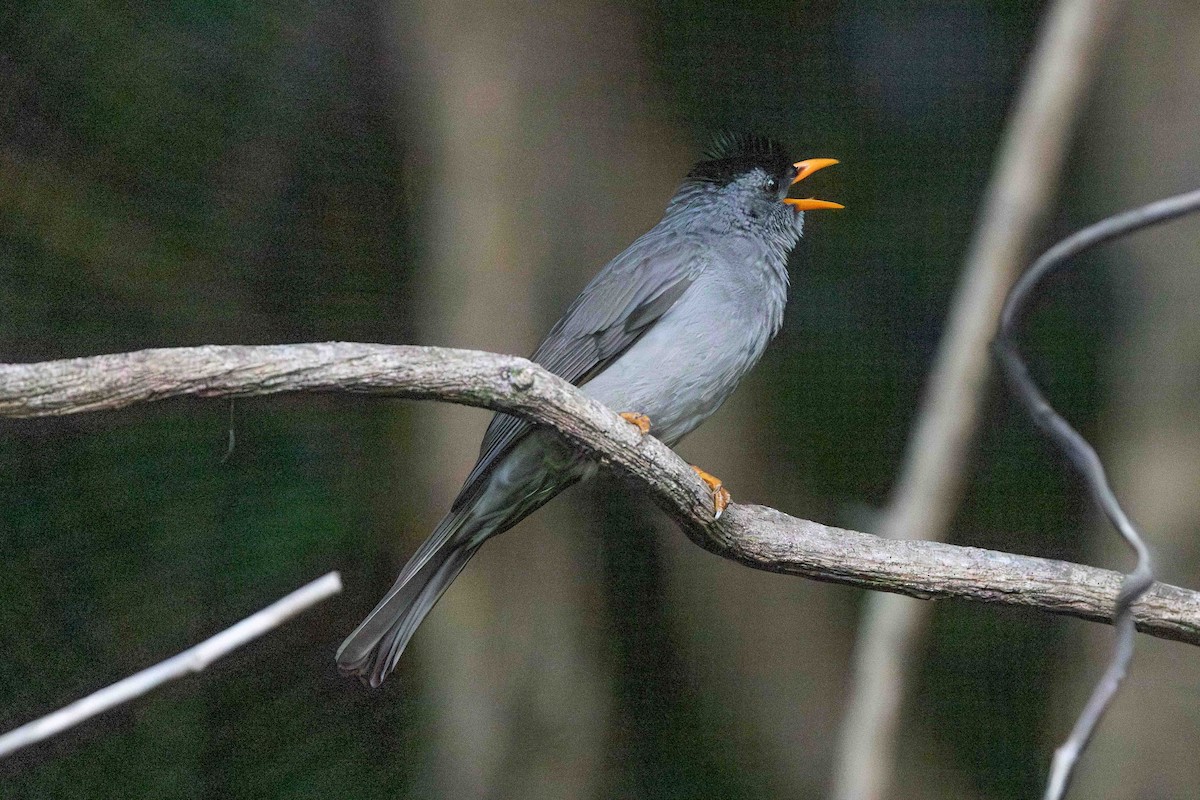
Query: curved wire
{"x": 1084, "y": 457}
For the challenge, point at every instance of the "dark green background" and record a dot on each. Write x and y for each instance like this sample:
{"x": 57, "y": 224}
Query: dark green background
{"x": 126, "y": 537}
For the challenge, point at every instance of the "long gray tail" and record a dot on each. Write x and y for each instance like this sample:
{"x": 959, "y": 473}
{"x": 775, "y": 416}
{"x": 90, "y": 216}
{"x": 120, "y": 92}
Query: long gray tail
{"x": 372, "y": 650}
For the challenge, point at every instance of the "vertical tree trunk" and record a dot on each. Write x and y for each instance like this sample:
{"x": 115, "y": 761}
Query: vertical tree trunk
{"x": 784, "y": 686}
{"x": 539, "y": 165}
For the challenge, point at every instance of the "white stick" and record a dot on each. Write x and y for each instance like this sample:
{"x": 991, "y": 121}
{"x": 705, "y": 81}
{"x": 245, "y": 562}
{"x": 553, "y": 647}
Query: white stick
{"x": 191, "y": 660}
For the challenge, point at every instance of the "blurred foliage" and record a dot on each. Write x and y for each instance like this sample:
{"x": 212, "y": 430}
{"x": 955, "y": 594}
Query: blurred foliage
{"x": 195, "y": 172}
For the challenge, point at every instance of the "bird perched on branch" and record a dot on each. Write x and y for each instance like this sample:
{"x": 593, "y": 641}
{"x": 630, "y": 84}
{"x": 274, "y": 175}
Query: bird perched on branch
{"x": 662, "y": 334}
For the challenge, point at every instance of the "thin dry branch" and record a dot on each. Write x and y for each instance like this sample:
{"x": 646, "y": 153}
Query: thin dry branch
{"x": 757, "y": 536}
{"x": 931, "y": 481}
{"x": 194, "y": 659}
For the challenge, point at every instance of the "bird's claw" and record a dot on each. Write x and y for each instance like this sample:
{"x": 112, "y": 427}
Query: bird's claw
{"x": 720, "y": 494}
{"x": 640, "y": 420}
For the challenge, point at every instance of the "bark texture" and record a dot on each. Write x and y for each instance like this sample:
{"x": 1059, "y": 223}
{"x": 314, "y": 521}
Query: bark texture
{"x": 756, "y": 536}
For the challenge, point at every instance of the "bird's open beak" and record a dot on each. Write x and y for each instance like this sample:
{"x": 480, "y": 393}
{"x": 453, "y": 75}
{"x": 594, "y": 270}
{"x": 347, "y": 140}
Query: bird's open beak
{"x": 803, "y": 170}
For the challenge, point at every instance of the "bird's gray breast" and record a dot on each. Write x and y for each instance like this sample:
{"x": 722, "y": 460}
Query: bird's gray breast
{"x": 690, "y": 361}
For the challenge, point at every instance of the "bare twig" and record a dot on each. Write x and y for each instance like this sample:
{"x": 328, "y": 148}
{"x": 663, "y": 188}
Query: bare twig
{"x": 1085, "y": 459}
{"x": 931, "y": 483}
{"x": 193, "y": 659}
{"x": 759, "y": 537}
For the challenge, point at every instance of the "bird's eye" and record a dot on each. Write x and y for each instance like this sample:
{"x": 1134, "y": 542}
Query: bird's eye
{"x": 772, "y": 185}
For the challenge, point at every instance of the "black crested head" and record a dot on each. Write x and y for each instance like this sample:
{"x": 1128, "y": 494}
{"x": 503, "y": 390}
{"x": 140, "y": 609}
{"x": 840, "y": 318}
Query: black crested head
{"x": 734, "y": 154}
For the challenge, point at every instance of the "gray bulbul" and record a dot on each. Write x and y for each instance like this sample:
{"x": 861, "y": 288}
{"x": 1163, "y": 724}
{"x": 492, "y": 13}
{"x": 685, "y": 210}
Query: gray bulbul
{"x": 662, "y": 334}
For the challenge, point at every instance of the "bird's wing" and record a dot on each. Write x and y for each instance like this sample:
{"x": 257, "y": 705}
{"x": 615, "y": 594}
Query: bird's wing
{"x": 616, "y": 309}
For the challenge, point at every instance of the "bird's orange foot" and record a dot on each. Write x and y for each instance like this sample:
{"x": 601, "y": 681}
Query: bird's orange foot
{"x": 641, "y": 420}
{"x": 721, "y": 498}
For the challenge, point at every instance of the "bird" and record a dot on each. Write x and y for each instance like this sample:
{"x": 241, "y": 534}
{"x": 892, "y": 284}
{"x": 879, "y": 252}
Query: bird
{"x": 662, "y": 335}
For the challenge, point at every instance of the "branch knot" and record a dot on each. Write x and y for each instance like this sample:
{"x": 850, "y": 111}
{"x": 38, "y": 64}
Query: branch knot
{"x": 520, "y": 378}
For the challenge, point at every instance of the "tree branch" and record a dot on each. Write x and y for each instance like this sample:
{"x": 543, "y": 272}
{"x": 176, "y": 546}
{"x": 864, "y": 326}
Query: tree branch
{"x": 194, "y": 659}
{"x": 759, "y": 537}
